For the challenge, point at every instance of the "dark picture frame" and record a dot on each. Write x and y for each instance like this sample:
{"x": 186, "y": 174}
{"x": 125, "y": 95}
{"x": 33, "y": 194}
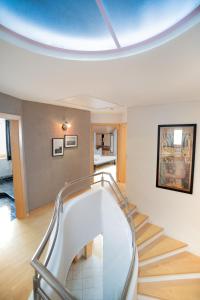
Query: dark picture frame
{"x": 57, "y": 147}
{"x": 71, "y": 141}
{"x": 176, "y": 157}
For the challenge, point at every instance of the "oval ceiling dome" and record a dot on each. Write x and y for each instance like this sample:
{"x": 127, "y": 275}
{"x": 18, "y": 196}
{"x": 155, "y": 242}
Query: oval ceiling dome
{"x": 101, "y": 27}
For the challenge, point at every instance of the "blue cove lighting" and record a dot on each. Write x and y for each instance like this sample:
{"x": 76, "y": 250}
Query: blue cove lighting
{"x": 89, "y": 25}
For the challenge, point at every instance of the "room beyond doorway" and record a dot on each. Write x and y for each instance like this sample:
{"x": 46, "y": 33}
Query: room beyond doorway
{"x": 105, "y": 149}
{"x": 12, "y": 188}
{"x": 7, "y": 201}
{"x": 108, "y": 149}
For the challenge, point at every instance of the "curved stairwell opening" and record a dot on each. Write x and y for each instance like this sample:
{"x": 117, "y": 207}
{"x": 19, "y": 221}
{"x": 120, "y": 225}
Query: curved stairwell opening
{"x": 166, "y": 270}
{"x": 101, "y": 210}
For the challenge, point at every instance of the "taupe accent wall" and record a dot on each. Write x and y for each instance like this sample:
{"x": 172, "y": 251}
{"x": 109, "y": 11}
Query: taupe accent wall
{"x": 45, "y": 175}
{"x": 10, "y": 105}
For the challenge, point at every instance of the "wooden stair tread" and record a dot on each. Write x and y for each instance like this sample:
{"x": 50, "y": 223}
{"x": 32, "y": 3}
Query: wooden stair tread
{"x": 182, "y": 263}
{"x": 129, "y": 208}
{"x": 147, "y": 232}
{"x": 162, "y": 245}
{"x": 138, "y": 219}
{"x": 186, "y": 289}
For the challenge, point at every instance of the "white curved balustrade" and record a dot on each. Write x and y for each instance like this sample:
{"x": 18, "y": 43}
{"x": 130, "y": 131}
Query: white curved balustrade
{"x": 95, "y": 212}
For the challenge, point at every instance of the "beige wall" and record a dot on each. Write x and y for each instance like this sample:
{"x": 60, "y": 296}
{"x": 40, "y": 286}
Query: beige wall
{"x": 45, "y": 174}
{"x": 177, "y": 212}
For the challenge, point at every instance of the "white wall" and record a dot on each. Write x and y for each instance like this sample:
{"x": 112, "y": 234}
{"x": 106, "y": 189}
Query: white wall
{"x": 179, "y": 213}
{"x": 108, "y": 118}
{"x": 115, "y": 142}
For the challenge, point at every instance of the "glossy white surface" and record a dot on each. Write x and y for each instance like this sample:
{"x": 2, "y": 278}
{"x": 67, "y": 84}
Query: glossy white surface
{"x": 84, "y": 217}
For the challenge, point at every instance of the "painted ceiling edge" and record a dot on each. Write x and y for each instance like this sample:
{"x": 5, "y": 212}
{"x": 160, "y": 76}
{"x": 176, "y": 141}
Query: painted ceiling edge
{"x": 174, "y": 31}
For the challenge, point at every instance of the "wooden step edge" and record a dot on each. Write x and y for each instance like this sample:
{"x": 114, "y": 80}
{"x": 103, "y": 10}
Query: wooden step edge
{"x": 164, "y": 250}
{"x": 142, "y": 224}
{"x": 168, "y": 277}
{"x": 131, "y": 205}
{"x": 144, "y": 297}
{"x": 150, "y": 240}
{"x": 130, "y": 211}
{"x": 152, "y": 237}
{"x": 141, "y": 296}
{"x": 140, "y": 218}
{"x": 182, "y": 263}
{"x": 156, "y": 258}
{"x": 181, "y": 246}
{"x": 170, "y": 290}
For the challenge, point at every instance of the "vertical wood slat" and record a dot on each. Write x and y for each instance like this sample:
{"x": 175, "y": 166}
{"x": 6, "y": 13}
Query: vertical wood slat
{"x": 121, "y": 157}
{"x": 18, "y": 183}
{"x": 88, "y": 249}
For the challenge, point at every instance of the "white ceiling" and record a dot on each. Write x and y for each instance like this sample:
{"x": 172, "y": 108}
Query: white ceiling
{"x": 93, "y": 104}
{"x": 168, "y": 73}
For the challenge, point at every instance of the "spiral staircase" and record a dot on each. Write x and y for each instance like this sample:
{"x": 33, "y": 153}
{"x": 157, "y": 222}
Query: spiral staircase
{"x": 167, "y": 270}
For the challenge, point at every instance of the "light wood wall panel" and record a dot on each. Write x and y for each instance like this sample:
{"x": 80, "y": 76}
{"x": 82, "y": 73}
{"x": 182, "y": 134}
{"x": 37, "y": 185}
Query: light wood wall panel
{"x": 122, "y": 136}
{"x": 18, "y": 181}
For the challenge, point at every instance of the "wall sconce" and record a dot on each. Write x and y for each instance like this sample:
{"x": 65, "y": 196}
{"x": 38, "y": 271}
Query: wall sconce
{"x": 66, "y": 125}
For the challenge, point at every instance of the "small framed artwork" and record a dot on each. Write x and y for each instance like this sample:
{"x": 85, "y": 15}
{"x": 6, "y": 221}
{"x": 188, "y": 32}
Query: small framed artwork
{"x": 71, "y": 141}
{"x": 175, "y": 157}
{"x": 57, "y": 147}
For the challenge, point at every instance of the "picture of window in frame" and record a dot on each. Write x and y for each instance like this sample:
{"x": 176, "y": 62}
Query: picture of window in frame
{"x": 175, "y": 157}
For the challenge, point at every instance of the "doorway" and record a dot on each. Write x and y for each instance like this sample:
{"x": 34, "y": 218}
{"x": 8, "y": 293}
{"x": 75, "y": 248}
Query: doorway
{"x": 108, "y": 150}
{"x": 105, "y": 149}
{"x": 12, "y": 195}
{"x": 7, "y": 201}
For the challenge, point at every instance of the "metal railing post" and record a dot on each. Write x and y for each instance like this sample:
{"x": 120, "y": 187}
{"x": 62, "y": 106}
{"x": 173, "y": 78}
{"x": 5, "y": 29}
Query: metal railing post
{"x": 35, "y": 286}
{"x": 102, "y": 180}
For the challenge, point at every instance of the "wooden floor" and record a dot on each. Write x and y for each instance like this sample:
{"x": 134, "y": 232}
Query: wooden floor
{"x": 18, "y": 242}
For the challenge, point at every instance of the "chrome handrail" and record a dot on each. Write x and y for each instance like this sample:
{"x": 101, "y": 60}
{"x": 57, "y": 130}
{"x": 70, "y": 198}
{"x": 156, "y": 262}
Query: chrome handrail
{"x": 41, "y": 271}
